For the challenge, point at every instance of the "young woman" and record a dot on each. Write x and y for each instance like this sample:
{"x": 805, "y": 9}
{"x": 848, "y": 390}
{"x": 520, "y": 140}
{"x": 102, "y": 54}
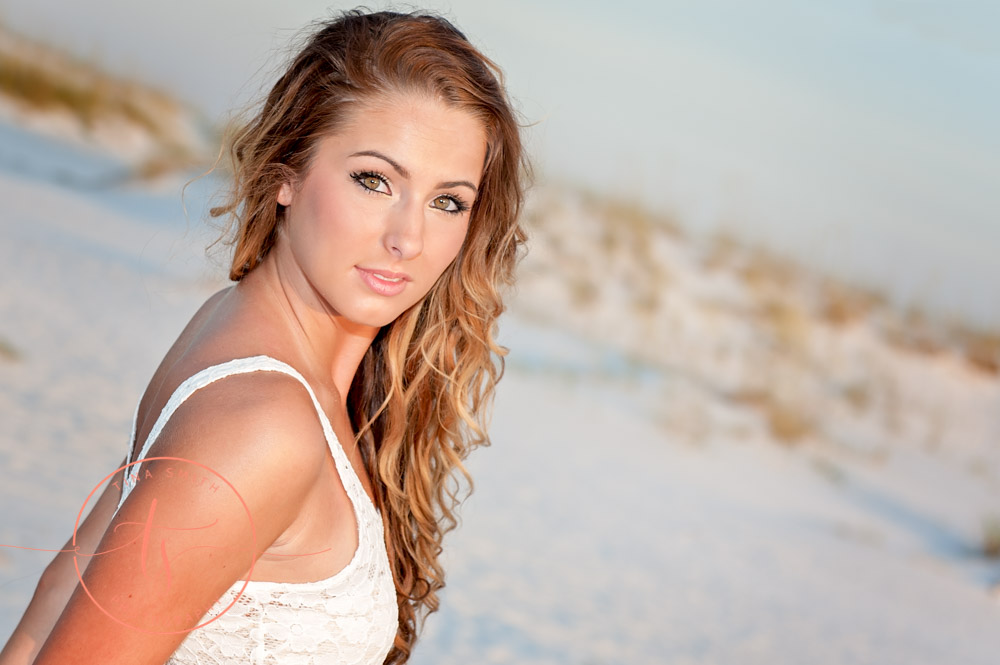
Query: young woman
{"x": 291, "y": 469}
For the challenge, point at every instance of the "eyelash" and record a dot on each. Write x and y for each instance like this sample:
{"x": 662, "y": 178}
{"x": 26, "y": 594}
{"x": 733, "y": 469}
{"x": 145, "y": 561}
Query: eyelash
{"x": 357, "y": 176}
{"x": 460, "y": 205}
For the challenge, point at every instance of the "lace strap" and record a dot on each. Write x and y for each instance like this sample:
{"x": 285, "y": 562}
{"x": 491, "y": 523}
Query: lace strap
{"x": 352, "y": 484}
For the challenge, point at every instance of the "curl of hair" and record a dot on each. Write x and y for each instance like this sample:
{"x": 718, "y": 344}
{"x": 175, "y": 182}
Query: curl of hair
{"x": 420, "y": 397}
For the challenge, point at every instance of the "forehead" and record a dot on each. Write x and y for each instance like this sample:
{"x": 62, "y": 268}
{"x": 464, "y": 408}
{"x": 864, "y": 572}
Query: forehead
{"x": 420, "y": 132}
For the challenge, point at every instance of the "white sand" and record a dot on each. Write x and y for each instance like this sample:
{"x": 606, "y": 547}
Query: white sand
{"x": 623, "y": 515}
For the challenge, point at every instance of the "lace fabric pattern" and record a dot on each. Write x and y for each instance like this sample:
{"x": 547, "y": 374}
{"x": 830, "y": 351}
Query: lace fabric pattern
{"x": 349, "y": 618}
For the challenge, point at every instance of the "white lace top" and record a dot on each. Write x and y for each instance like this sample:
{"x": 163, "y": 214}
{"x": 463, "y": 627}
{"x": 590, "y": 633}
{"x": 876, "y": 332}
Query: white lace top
{"x": 347, "y": 619}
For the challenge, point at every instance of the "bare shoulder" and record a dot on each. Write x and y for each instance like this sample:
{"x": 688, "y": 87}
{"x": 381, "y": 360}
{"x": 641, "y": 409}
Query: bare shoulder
{"x": 257, "y": 431}
{"x": 209, "y": 305}
{"x": 201, "y": 315}
{"x": 225, "y": 478}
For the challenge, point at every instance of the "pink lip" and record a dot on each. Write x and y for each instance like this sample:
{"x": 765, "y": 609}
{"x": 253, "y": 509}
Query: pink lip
{"x": 384, "y": 287}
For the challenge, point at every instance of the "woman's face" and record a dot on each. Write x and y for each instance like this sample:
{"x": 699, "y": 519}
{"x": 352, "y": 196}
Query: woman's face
{"x": 384, "y": 206}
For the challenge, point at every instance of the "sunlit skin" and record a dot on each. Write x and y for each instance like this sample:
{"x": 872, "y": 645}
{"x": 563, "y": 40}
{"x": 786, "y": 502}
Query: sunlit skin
{"x": 384, "y": 194}
{"x": 389, "y": 194}
{"x": 342, "y": 219}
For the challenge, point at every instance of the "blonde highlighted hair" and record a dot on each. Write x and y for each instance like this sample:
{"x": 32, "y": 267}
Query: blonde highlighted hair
{"x": 419, "y": 398}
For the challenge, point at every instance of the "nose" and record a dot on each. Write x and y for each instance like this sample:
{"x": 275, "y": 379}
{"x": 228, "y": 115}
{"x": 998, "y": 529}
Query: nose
{"x": 404, "y": 231}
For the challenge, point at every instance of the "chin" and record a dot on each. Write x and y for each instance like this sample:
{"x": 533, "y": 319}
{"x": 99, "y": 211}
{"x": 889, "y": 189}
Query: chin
{"x": 374, "y": 319}
{"x": 378, "y": 312}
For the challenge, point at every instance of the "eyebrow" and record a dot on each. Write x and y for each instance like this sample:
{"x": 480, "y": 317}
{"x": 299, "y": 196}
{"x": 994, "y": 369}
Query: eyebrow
{"x": 401, "y": 170}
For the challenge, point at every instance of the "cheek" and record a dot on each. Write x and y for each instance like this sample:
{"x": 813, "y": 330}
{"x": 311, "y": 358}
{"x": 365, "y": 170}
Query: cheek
{"x": 458, "y": 236}
{"x": 337, "y": 224}
{"x": 451, "y": 246}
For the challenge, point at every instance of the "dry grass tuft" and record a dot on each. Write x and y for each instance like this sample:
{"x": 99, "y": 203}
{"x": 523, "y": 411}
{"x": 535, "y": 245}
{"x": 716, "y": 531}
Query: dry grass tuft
{"x": 582, "y": 291}
{"x": 841, "y": 305}
{"x": 981, "y": 350}
{"x": 8, "y": 351}
{"x": 646, "y": 302}
{"x": 749, "y": 396}
{"x": 170, "y": 160}
{"x": 763, "y": 268}
{"x": 78, "y": 88}
{"x": 722, "y": 252}
{"x": 787, "y": 322}
{"x": 788, "y": 423}
{"x": 991, "y": 536}
{"x": 858, "y": 395}
{"x": 915, "y": 334}
{"x": 630, "y": 215}
{"x": 41, "y": 78}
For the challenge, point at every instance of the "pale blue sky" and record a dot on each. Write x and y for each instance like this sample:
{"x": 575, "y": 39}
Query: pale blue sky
{"x": 862, "y": 135}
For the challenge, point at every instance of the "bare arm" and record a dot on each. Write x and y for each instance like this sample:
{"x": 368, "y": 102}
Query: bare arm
{"x": 58, "y": 581}
{"x": 243, "y": 461}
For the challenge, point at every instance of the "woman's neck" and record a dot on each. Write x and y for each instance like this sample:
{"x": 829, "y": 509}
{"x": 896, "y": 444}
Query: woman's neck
{"x": 327, "y": 344}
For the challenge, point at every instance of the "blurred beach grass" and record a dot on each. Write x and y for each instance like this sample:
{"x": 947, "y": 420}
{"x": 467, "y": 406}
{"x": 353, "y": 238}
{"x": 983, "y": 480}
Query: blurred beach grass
{"x": 38, "y": 79}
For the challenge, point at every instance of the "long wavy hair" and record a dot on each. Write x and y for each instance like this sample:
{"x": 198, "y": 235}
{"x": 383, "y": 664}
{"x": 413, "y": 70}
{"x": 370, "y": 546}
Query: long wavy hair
{"x": 421, "y": 394}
